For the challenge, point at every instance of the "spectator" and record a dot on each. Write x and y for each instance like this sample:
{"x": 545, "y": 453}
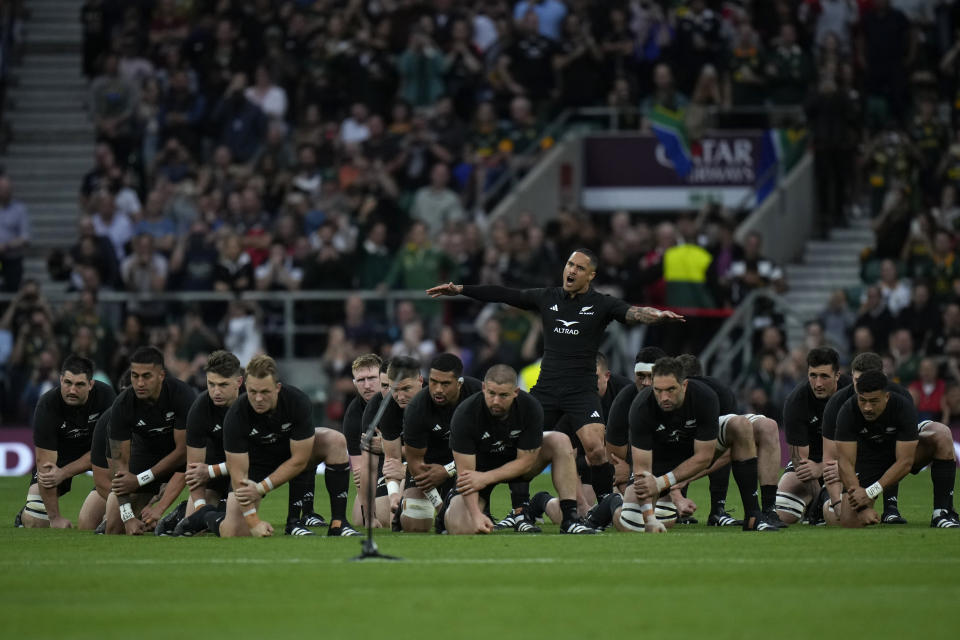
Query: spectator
{"x": 92, "y": 251}
{"x": 355, "y": 128}
{"x": 436, "y": 205}
{"x": 145, "y": 272}
{"x": 526, "y": 66}
{"x": 579, "y": 64}
{"x": 906, "y": 360}
{"x": 192, "y": 263}
{"x": 886, "y": 51}
{"x": 419, "y": 266}
{"x": 929, "y": 391}
{"x": 358, "y": 327}
{"x": 550, "y": 15}
{"x": 233, "y": 271}
{"x": 747, "y": 84}
{"x": 14, "y": 237}
{"x": 241, "y": 123}
{"x": 699, "y": 41}
{"x": 421, "y": 68}
{"x": 114, "y": 225}
{"x": 921, "y": 318}
{"x": 414, "y": 343}
{"x": 949, "y": 328}
{"x": 838, "y": 321}
{"x": 271, "y": 99}
{"x": 875, "y": 315}
{"x": 113, "y": 103}
{"x": 895, "y": 291}
{"x": 664, "y": 96}
{"x": 241, "y": 330}
{"x": 789, "y": 69}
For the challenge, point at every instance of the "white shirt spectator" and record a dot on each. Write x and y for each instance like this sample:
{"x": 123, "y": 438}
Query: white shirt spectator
{"x": 273, "y": 102}
{"x": 119, "y": 230}
{"x": 353, "y": 131}
{"x": 436, "y": 208}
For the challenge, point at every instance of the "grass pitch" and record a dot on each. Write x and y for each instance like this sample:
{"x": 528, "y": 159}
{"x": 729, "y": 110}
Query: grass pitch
{"x": 695, "y": 581}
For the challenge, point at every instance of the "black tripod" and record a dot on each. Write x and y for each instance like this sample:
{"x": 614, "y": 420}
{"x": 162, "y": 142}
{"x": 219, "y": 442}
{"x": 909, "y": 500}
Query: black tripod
{"x": 368, "y": 548}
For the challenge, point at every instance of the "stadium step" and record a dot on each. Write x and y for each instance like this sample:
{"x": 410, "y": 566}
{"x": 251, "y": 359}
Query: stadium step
{"x": 53, "y": 140}
{"x": 826, "y": 265}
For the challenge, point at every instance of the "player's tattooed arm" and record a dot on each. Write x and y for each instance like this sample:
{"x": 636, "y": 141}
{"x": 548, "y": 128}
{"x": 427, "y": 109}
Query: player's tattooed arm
{"x": 795, "y": 456}
{"x": 123, "y": 482}
{"x": 649, "y": 315}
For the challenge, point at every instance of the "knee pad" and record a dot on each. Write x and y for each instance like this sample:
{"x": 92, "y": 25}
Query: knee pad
{"x": 35, "y": 507}
{"x": 631, "y": 517}
{"x": 417, "y": 508}
{"x": 666, "y": 511}
{"x": 789, "y": 503}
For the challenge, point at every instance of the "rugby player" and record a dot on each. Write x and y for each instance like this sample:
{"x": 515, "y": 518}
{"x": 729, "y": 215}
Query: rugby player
{"x": 426, "y": 441}
{"x": 574, "y": 318}
{"x": 366, "y": 371}
{"x": 63, "y": 426}
{"x": 207, "y": 476}
{"x": 496, "y": 436}
{"x": 147, "y": 444}
{"x": 878, "y": 445}
{"x": 675, "y": 433}
{"x": 799, "y": 489}
{"x": 100, "y": 463}
{"x": 401, "y": 382}
{"x": 269, "y": 440}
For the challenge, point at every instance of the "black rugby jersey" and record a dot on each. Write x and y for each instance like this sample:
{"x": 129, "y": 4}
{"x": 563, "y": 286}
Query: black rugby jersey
{"x": 68, "y": 430}
{"x": 426, "y": 425}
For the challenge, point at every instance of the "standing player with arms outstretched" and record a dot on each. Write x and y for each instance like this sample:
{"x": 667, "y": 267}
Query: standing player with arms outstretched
{"x": 574, "y": 317}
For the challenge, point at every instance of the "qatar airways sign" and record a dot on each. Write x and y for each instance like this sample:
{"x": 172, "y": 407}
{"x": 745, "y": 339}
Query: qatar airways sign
{"x": 633, "y": 172}
{"x": 16, "y": 452}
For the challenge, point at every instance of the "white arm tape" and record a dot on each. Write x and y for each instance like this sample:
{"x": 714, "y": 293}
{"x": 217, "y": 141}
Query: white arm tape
{"x": 200, "y": 502}
{"x": 874, "y": 490}
{"x": 666, "y": 481}
{"x": 145, "y": 478}
{"x": 126, "y": 512}
{"x": 393, "y": 487}
{"x": 649, "y": 513}
{"x": 451, "y": 468}
{"x": 434, "y": 497}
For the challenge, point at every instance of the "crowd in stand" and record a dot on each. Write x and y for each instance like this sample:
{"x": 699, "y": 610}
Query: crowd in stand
{"x": 348, "y": 144}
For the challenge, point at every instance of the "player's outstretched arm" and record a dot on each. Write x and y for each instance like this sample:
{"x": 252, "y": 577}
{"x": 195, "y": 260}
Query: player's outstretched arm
{"x": 486, "y": 293}
{"x": 649, "y": 315}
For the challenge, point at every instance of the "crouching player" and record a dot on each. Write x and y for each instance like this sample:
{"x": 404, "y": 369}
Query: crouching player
{"x": 497, "y": 436}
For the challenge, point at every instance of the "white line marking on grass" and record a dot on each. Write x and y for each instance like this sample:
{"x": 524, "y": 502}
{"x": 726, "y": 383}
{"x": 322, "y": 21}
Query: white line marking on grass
{"x": 479, "y": 561}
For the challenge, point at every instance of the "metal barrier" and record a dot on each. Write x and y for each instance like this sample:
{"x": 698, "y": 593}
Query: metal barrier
{"x": 730, "y": 352}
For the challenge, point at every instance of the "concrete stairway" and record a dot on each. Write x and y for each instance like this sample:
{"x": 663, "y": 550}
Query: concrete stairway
{"x": 53, "y": 139}
{"x": 827, "y": 265}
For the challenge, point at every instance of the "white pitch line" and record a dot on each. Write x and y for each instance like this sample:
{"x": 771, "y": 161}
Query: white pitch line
{"x": 479, "y": 561}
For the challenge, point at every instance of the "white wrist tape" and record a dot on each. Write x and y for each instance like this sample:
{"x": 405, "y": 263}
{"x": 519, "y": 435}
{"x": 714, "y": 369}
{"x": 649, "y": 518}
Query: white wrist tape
{"x": 874, "y": 490}
{"x": 199, "y": 503}
{"x": 250, "y": 512}
{"x": 215, "y": 470}
{"x": 666, "y": 481}
{"x": 393, "y": 487}
{"x": 649, "y": 513}
{"x": 434, "y": 497}
{"x": 145, "y": 478}
{"x": 451, "y": 468}
{"x": 126, "y": 512}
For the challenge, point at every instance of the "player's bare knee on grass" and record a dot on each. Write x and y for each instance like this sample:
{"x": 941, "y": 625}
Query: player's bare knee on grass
{"x": 34, "y": 514}
{"x": 92, "y": 511}
{"x": 793, "y": 498}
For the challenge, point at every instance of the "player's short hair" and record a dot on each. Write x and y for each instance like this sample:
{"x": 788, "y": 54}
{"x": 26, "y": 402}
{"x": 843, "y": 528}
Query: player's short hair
{"x": 402, "y": 368}
{"x": 591, "y": 256}
{"x": 669, "y": 367}
{"x": 385, "y": 365}
{"x": 366, "y": 360}
{"x": 691, "y": 365}
{"x": 872, "y": 380}
{"x": 823, "y": 356}
{"x": 602, "y": 361}
{"x": 223, "y": 363}
{"x": 147, "y": 355}
{"x": 501, "y": 374}
{"x": 646, "y": 357}
{"x": 448, "y": 363}
{"x": 76, "y": 365}
{"x": 263, "y": 366}
{"x": 867, "y": 361}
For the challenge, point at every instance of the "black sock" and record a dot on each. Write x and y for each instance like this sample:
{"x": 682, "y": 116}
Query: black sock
{"x": 519, "y": 494}
{"x": 943, "y": 473}
{"x": 569, "y": 509}
{"x": 745, "y": 475}
{"x": 213, "y": 520}
{"x": 602, "y": 516}
{"x": 768, "y": 496}
{"x": 719, "y": 483}
{"x": 602, "y": 479}
{"x": 301, "y": 486}
{"x": 538, "y": 505}
{"x": 584, "y": 470}
{"x": 890, "y": 498}
{"x": 337, "y": 480}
